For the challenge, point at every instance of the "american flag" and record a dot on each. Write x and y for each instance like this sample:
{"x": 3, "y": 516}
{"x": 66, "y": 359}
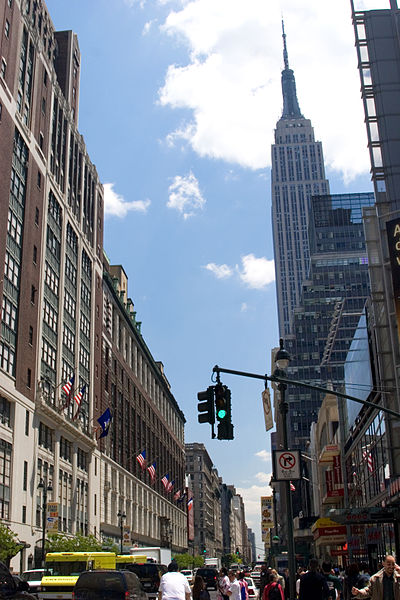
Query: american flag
{"x": 170, "y": 486}
{"x": 181, "y": 499}
{"x": 165, "y": 481}
{"x": 292, "y": 488}
{"x": 152, "y": 470}
{"x": 141, "y": 458}
{"x": 177, "y": 494}
{"x": 78, "y": 399}
{"x": 190, "y": 504}
{"x": 67, "y": 387}
{"x": 370, "y": 461}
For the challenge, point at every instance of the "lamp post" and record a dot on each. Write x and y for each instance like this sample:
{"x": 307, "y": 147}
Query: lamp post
{"x": 282, "y": 359}
{"x": 122, "y": 516}
{"x": 45, "y": 487}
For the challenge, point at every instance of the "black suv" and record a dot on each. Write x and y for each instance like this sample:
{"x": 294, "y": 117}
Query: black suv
{"x": 108, "y": 585}
{"x": 209, "y": 575}
{"x": 9, "y": 588}
{"x": 149, "y": 575}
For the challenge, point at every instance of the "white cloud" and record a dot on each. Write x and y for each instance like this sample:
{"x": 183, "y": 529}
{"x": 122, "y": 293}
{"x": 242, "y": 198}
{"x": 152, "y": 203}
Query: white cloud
{"x": 263, "y": 477}
{"x": 114, "y": 204}
{"x": 232, "y": 80}
{"x": 244, "y": 307}
{"x": 185, "y": 195}
{"x": 256, "y": 272}
{"x": 220, "y": 271}
{"x": 264, "y": 455}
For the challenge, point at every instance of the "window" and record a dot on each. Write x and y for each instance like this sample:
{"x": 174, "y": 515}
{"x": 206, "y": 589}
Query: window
{"x": 49, "y": 354}
{"x": 50, "y": 316}
{"x": 1, "y": 110}
{"x": 11, "y": 269}
{"x": 7, "y": 358}
{"x": 5, "y": 411}
{"x": 85, "y": 326}
{"x": 9, "y": 314}
{"x": 43, "y": 106}
{"x": 39, "y": 180}
{"x": 69, "y": 304}
{"x": 41, "y": 140}
{"x": 37, "y": 215}
{"x": 82, "y": 460}
{"x": 14, "y": 227}
{"x": 53, "y": 244}
{"x": 85, "y": 295}
{"x": 27, "y": 422}
{"x": 30, "y": 337}
{"x": 25, "y": 477}
{"x": 24, "y": 514}
{"x": 51, "y": 278}
{"x": 9, "y": 2}
{"x": 70, "y": 271}
{"x": 28, "y": 378}
{"x": 7, "y": 29}
{"x": 65, "y": 449}
{"x": 5, "y": 475}
{"x": 69, "y": 338}
{"x": 33, "y": 293}
{"x": 84, "y": 357}
{"x": 35, "y": 254}
{"x": 45, "y": 78}
{"x": 3, "y": 68}
{"x": 46, "y": 437}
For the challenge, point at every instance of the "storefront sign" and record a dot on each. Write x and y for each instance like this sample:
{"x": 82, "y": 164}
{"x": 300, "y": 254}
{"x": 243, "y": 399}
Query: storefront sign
{"x": 393, "y": 235}
{"x": 329, "y": 481}
{"x": 52, "y": 517}
{"x": 336, "y": 493}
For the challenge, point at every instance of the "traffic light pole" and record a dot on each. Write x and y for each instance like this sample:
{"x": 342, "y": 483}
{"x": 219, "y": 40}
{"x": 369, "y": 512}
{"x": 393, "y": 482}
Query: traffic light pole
{"x": 279, "y": 379}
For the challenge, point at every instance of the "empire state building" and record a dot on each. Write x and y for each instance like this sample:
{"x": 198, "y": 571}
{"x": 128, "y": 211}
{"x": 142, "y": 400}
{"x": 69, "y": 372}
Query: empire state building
{"x": 298, "y": 173}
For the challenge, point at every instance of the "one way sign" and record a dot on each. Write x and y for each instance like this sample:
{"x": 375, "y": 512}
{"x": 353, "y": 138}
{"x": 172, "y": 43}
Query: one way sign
{"x": 286, "y": 465}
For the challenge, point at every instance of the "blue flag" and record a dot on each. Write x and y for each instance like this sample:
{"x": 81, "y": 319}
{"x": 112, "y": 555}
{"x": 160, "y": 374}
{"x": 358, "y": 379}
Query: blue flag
{"x": 105, "y": 420}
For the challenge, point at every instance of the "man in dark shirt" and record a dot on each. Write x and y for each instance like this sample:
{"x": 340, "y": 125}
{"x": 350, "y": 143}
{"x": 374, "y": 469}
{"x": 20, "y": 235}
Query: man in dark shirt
{"x": 313, "y": 585}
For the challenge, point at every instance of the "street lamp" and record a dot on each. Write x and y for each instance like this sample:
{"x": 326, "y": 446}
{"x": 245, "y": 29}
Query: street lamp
{"x": 45, "y": 487}
{"x": 282, "y": 359}
{"x": 122, "y": 517}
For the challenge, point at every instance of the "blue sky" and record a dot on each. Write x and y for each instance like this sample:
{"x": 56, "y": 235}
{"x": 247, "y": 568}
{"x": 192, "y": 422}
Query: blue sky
{"x": 178, "y": 103}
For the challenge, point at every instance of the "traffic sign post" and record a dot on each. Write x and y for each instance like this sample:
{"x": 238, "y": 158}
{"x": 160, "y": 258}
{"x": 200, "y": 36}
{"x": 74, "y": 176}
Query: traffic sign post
{"x": 286, "y": 465}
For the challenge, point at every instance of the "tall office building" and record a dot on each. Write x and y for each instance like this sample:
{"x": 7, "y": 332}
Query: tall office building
{"x": 298, "y": 172}
{"x": 51, "y": 240}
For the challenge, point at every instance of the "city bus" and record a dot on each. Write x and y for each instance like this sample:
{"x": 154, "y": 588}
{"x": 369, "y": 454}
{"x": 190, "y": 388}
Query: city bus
{"x": 62, "y": 569}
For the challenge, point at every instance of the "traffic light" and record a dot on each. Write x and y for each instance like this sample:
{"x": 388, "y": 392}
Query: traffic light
{"x": 206, "y": 406}
{"x": 223, "y": 411}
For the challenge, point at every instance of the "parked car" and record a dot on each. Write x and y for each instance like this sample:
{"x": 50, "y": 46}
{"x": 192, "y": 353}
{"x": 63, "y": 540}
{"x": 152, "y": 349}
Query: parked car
{"x": 12, "y": 588}
{"x": 188, "y": 574}
{"x": 210, "y": 576}
{"x": 108, "y": 585}
{"x": 33, "y": 577}
{"x": 253, "y": 591}
{"x": 149, "y": 575}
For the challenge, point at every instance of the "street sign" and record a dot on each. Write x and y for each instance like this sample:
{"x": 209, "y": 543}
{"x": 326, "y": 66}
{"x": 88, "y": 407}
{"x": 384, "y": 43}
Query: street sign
{"x": 266, "y": 400}
{"x": 286, "y": 465}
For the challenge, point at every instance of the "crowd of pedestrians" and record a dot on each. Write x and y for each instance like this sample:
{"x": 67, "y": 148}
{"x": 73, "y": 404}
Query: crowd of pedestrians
{"x": 318, "y": 582}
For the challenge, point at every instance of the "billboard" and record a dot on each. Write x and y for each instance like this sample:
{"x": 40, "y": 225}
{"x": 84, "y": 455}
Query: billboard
{"x": 393, "y": 235}
{"x": 267, "y": 517}
{"x": 52, "y": 517}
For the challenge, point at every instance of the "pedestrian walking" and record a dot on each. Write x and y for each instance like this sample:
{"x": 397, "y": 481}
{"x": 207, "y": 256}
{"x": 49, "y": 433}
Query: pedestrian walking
{"x": 199, "y": 591}
{"x": 244, "y": 588}
{"x": 174, "y": 585}
{"x": 353, "y": 578}
{"x": 384, "y": 585}
{"x": 273, "y": 589}
{"x": 234, "y": 588}
{"x": 334, "y": 582}
{"x": 223, "y": 584}
{"x": 313, "y": 585}
{"x": 264, "y": 576}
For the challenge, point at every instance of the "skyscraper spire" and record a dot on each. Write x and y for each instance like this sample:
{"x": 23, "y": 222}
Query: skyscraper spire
{"x": 285, "y": 54}
{"x": 291, "y": 108}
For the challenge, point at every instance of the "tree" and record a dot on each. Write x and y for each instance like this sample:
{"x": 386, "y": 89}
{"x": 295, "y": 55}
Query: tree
{"x": 9, "y": 546}
{"x": 60, "y": 542}
{"x": 187, "y": 561}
